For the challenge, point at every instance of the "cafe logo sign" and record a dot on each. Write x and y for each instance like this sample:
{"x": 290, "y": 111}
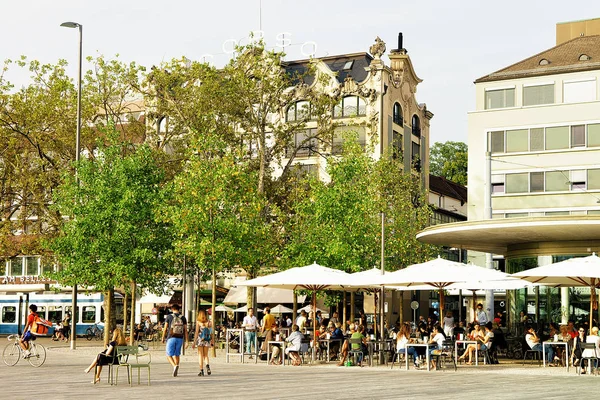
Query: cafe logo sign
{"x": 18, "y": 280}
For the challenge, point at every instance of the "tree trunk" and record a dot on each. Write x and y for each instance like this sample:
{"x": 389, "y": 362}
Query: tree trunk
{"x": 132, "y": 315}
{"x": 213, "y": 313}
{"x": 352, "y": 308}
{"x": 295, "y": 307}
{"x": 125, "y": 302}
{"x": 344, "y": 319}
{"x": 401, "y": 310}
{"x": 108, "y": 313}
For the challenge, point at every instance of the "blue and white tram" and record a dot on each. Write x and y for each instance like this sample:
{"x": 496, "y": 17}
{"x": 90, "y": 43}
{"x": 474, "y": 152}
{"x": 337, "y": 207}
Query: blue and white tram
{"x": 14, "y": 309}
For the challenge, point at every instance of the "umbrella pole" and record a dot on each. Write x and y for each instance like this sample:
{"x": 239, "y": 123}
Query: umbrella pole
{"x": 441, "y": 304}
{"x": 314, "y": 302}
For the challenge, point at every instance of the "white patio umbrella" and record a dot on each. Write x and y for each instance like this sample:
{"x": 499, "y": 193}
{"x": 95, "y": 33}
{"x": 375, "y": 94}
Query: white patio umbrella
{"x": 435, "y": 274}
{"x": 369, "y": 274}
{"x": 280, "y": 309}
{"x": 244, "y": 309}
{"x": 224, "y": 308}
{"x": 311, "y": 277}
{"x": 308, "y": 309}
{"x": 577, "y": 271}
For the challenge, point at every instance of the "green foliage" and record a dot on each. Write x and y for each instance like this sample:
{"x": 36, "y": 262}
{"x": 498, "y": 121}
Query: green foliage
{"x": 449, "y": 160}
{"x": 217, "y": 213}
{"x": 338, "y": 224}
{"x": 112, "y": 237}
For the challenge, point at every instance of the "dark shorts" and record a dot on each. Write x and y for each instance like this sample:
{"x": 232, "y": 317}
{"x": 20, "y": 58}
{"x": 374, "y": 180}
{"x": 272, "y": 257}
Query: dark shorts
{"x": 28, "y": 336}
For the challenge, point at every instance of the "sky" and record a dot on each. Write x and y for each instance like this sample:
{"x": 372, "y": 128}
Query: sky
{"x": 451, "y": 43}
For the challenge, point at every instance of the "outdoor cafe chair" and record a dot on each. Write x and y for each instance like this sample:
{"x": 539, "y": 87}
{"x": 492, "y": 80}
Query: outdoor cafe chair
{"x": 354, "y": 352}
{"x": 446, "y": 353}
{"x": 590, "y": 355}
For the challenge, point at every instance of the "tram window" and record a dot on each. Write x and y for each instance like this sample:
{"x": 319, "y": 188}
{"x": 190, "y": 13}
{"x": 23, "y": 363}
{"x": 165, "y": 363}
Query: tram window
{"x": 41, "y": 311}
{"x": 55, "y": 314}
{"x": 9, "y": 315}
{"x": 89, "y": 315}
{"x": 73, "y": 317}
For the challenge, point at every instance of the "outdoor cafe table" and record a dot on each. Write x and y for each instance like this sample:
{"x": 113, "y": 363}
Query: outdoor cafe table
{"x": 551, "y": 343}
{"x": 382, "y": 347}
{"x": 426, "y": 345}
{"x": 466, "y": 343}
{"x": 328, "y": 343}
{"x": 282, "y": 352}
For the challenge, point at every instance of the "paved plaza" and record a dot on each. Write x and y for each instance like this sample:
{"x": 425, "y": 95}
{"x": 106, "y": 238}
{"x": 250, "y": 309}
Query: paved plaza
{"x": 62, "y": 377}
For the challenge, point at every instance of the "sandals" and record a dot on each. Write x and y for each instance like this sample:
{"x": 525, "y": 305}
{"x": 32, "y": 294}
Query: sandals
{"x": 208, "y": 369}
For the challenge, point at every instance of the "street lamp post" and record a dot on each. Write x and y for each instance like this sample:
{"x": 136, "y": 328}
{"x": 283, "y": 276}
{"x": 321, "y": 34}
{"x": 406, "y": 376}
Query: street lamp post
{"x": 77, "y": 138}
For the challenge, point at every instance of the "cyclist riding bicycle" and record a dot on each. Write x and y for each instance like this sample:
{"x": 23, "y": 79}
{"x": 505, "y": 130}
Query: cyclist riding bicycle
{"x": 27, "y": 335}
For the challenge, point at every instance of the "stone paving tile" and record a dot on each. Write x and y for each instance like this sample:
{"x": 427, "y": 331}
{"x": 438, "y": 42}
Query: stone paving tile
{"x": 62, "y": 377}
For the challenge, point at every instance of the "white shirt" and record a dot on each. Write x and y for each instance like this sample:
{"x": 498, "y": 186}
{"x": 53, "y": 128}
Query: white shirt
{"x": 250, "y": 322}
{"x": 401, "y": 342}
{"x": 448, "y": 323}
{"x": 289, "y": 321}
{"x": 439, "y": 339}
{"x": 529, "y": 340}
{"x": 301, "y": 322}
{"x": 590, "y": 353}
{"x": 482, "y": 317}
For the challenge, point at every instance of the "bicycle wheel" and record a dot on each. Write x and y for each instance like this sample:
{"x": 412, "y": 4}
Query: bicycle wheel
{"x": 99, "y": 334}
{"x": 89, "y": 334}
{"x": 11, "y": 354}
{"x": 37, "y": 355}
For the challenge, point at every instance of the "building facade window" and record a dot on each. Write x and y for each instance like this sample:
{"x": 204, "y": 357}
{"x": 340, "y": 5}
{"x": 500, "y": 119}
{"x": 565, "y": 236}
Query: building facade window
{"x": 416, "y": 156}
{"x": 341, "y": 134}
{"x": 398, "y": 114}
{"x": 350, "y": 106}
{"x": 517, "y": 183}
{"x": 538, "y": 94}
{"x": 579, "y": 91}
{"x": 416, "y": 126}
{"x": 396, "y": 145}
{"x": 32, "y": 266}
{"x": 305, "y": 143}
{"x": 499, "y": 98}
{"x": 517, "y": 141}
{"x": 15, "y": 266}
{"x": 544, "y": 138}
{"x": 593, "y": 179}
{"x": 299, "y": 111}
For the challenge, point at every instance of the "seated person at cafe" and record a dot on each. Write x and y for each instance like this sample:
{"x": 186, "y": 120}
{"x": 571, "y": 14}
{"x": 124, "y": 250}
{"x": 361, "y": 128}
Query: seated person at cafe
{"x": 359, "y": 334}
{"x": 293, "y": 349}
{"x": 484, "y": 340}
{"x": 437, "y": 339}
{"x": 534, "y": 343}
{"x": 402, "y": 339}
{"x": 275, "y": 350}
{"x": 592, "y": 338}
{"x": 459, "y": 329}
{"x": 344, "y": 350}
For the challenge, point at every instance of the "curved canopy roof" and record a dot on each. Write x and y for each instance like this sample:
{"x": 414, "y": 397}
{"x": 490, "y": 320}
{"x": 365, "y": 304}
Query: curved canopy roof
{"x": 498, "y": 235}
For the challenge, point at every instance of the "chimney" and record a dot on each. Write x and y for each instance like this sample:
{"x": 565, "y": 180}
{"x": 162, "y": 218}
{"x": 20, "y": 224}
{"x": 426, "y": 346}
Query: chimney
{"x": 399, "y": 41}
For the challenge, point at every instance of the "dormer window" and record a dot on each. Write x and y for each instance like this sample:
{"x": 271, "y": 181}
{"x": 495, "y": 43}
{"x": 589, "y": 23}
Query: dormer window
{"x": 348, "y": 65}
{"x": 544, "y": 61}
{"x": 584, "y": 57}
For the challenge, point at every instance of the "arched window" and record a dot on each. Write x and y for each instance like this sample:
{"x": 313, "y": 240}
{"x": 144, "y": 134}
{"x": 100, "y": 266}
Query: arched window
{"x": 298, "y": 111}
{"x": 350, "y": 106}
{"x": 416, "y": 126}
{"x": 398, "y": 114}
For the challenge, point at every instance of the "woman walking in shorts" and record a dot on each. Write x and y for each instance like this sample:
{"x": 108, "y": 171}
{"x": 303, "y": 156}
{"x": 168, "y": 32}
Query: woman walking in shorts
{"x": 203, "y": 339}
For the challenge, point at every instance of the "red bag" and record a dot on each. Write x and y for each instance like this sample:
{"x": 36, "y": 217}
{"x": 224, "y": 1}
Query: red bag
{"x": 40, "y": 326}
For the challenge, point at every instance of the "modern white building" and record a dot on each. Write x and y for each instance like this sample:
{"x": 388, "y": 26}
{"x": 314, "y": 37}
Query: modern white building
{"x": 534, "y": 164}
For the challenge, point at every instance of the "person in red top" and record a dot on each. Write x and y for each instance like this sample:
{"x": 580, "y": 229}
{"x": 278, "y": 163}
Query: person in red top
{"x": 27, "y": 335}
{"x": 571, "y": 329}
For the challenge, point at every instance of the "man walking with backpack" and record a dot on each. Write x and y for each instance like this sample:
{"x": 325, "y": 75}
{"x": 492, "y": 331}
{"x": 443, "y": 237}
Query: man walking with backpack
{"x": 175, "y": 333}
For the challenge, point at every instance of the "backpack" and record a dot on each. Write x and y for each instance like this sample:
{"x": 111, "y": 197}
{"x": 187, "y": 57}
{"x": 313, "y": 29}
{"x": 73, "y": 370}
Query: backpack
{"x": 40, "y": 326}
{"x": 205, "y": 334}
{"x": 177, "y": 326}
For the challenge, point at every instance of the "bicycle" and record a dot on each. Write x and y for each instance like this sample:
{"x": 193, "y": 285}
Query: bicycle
{"x": 94, "y": 331}
{"x": 13, "y": 352}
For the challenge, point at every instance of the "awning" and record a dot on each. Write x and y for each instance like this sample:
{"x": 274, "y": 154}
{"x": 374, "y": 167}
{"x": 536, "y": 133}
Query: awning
{"x": 238, "y": 295}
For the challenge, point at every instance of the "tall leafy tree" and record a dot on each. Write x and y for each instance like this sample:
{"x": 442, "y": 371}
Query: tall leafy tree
{"x": 242, "y": 105}
{"x": 449, "y": 160}
{"x": 339, "y": 222}
{"x": 112, "y": 237}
